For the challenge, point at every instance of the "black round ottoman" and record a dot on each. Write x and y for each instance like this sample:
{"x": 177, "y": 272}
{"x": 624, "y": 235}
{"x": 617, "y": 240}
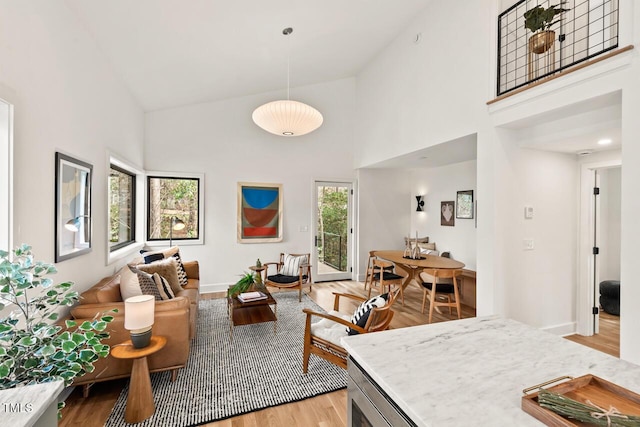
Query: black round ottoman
{"x": 610, "y": 296}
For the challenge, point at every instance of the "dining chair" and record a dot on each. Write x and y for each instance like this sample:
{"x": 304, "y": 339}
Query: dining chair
{"x": 292, "y": 272}
{"x": 382, "y": 272}
{"x": 438, "y": 291}
{"x": 323, "y": 338}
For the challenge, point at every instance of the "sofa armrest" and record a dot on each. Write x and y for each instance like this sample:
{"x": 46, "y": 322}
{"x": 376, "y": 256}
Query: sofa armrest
{"x": 192, "y": 268}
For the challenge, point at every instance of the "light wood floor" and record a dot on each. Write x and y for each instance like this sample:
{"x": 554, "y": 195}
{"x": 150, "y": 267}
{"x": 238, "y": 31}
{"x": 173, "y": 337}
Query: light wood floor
{"x": 327, "y": 410}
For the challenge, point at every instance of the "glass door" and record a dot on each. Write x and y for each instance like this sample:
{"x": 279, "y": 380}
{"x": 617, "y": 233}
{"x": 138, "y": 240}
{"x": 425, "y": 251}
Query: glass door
{"x": 333, "y": 231}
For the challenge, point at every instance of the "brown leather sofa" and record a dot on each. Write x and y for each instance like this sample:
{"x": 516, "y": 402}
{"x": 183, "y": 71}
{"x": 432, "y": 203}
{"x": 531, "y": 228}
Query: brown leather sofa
{"x": 175, "y": 319}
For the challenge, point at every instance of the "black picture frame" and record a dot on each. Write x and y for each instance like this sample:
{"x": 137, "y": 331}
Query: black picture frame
{"x": 464, "y": 204}
{"x": 447, "y": 214}
{"x": 73, "y": 225}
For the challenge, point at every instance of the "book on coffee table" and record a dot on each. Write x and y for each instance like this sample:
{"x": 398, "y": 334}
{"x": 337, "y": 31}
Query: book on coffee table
{"x": 251, "y": 296}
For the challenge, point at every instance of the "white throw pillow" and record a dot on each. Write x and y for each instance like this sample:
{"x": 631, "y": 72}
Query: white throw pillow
{"x": 129, "y": 285}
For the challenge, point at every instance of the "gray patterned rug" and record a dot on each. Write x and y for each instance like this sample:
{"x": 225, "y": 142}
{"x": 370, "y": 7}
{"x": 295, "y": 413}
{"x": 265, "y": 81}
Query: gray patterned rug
{"x": 224, "y": 379}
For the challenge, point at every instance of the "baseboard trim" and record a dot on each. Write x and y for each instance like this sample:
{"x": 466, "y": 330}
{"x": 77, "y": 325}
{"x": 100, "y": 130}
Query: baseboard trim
{"x": 214, "y": 287}
{"x": 562, "y": 330}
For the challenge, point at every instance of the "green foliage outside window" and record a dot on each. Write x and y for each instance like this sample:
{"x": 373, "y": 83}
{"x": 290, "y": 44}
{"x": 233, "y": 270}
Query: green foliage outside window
{"x": 169, "y": 198}
{"x": 333, "y": 210}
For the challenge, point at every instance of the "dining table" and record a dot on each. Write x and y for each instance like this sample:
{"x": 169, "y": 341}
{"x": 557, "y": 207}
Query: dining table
{"x": 413, "y": 267}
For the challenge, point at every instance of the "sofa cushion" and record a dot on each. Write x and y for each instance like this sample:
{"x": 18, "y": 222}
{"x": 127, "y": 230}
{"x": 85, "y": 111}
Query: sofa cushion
{"x": 148, "y": 286}
{"x": 106, "y": 290}
{"x": 167, "y": 268}
{"x": 129, "y": 286}
{"x": 329, "y": 330}
{"x": 172, "y": 252}
{"x": 163, "y": 287}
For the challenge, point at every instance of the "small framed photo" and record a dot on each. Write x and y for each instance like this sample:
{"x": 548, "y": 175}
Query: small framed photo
{"x": 447, "y": 214}
{"x": 464, "y": 204}
{"x": 73, "y": 207}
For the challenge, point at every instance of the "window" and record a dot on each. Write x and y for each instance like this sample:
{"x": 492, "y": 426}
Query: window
{"x": 122, "y": 218}
{"x": 174, "y": 199}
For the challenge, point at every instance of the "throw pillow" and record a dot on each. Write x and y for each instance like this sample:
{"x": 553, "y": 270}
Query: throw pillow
{"x": 174, "y": 251}
{"x": 129, "y": 286}
{"x": 163, "y": 287}
{"x": 167, "y": 268}
{"x": 291, "y": 264}
{"x": 361, "y": 315}
{"x": 148, "y": 285}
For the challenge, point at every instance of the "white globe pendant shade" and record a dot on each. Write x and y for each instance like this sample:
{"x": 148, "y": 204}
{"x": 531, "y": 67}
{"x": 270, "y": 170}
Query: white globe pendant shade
{"x": 287, "y": 118}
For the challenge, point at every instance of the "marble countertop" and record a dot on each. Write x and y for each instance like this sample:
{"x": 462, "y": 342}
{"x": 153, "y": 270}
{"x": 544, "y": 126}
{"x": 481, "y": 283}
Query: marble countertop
{"x": 23, "y": 406}
{"x": 473, "y": 371}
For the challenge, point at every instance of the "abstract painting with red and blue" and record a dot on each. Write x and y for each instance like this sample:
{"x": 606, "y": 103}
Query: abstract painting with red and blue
{"x": 259, "y": 212}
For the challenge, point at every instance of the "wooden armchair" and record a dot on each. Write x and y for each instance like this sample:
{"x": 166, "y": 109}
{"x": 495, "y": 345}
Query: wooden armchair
{"x": 323, "y": 337}
{"x": 292, "y": 271}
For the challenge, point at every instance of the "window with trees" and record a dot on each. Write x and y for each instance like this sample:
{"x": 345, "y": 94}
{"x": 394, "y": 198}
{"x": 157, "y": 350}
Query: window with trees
{"x": 174, "y": 200}
{"x": 122, "y": 218}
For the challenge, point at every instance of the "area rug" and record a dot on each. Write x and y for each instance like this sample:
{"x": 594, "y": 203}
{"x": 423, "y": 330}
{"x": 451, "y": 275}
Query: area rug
{"x": 223, "y": 379}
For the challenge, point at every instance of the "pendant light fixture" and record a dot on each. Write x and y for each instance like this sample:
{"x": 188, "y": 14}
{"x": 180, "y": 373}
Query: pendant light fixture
{"x": 287, "y": 117}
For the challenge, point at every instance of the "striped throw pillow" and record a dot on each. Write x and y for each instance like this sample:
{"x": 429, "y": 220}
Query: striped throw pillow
{"x": 361, "y": 315}
{"x": 291, "y": 264}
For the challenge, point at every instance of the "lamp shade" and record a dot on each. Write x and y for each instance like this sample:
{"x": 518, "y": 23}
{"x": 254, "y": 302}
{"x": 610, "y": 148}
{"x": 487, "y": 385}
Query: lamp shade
{"x": 287, "y": 118}
{"x": 138, "y": 312}
{"x": 178, "y": 224}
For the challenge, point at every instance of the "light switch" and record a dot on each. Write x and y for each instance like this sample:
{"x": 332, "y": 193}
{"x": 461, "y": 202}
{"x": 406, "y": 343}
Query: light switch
{"x": 527, "y": 244}
{"x": 304, "y": 228}
{"x": 528, "y": 212}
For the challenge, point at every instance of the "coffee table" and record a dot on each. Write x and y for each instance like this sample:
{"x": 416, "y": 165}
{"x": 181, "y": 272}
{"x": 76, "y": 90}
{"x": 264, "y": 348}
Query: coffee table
{"x": 249, "y": 313}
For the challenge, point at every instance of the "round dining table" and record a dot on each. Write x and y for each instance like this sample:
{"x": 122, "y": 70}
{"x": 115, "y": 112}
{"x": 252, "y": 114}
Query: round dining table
{"x": 413, "y": 267}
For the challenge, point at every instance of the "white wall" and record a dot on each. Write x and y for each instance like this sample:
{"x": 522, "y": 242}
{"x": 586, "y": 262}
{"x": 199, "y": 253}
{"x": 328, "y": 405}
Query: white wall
{"x": 383, "y": 212}
{"x": 609, "y": 244}
{"x": 220, "y": 140}
{"x": 438, "y": 185}
{"x": 66, "y": 99}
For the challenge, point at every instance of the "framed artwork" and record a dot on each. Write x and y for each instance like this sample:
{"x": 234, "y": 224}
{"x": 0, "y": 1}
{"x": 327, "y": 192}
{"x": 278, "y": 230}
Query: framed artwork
{"x": 447, "y": 214}
{"x": 464, "y": 204}
{"x": 73, "y": 207}
{"x": 259, "y": 212}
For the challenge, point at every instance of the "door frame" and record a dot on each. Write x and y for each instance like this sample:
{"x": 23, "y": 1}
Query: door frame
{"x": 586, "y": 321}
{"x": 349, "y": 274}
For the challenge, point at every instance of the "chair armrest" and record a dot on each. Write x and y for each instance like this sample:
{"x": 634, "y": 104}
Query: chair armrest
{"x": 192, "y": 268}
{"x": 336, "y": 301}
{"x": 336, "y": 319}
{"x": 267, "y": 264}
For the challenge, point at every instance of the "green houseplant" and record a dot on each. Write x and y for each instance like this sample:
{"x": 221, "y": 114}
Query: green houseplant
{"x": 32, "y": 348}
{"x": 540, "y": 20}
{"x": 242, "y": 285}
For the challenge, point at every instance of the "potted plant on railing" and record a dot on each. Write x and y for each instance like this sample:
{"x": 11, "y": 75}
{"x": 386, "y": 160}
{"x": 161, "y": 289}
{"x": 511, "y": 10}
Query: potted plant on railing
{"x": 540, "y": 20}
{"x": 33, "y": 349}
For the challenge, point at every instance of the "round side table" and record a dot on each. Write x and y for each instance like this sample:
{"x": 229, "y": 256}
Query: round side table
{"x": 140, "y": 404}
{"x": 258, "y": 270}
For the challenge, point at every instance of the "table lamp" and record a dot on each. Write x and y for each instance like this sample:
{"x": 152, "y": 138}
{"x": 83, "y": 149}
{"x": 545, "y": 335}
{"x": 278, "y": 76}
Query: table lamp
{"x": 138, "y": 318}
{"x": 176, "y": 224}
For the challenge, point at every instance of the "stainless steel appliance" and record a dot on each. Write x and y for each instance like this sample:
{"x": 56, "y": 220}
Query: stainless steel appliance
{"x": 368, "y": 405}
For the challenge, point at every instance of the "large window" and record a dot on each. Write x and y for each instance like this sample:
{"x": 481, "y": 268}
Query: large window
{"x": 174, "y": 208}
{"x": 122, "y": 218}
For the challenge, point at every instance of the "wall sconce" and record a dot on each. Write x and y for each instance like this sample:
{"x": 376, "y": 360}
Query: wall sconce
{"x": 176, "y": 224}
{"x": 138, "y": 318}
{"x": 420, "y": 200}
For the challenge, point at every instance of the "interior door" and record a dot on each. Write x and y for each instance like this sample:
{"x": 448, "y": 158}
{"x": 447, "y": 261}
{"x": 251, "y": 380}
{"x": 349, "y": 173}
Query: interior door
{"x": 333, "y": 231}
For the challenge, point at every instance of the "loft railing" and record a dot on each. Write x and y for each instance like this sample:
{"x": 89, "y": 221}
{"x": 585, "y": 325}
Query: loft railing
{"x": 588, "y": 29}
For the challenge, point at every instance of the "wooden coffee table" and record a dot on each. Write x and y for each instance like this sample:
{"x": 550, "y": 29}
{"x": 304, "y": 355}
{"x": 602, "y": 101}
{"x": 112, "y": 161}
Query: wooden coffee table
{"x": 249, "y": 313}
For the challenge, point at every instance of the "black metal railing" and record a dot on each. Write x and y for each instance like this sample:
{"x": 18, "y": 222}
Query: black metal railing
{"x": 588, "y": 29}
{"x": 334, "y": 250}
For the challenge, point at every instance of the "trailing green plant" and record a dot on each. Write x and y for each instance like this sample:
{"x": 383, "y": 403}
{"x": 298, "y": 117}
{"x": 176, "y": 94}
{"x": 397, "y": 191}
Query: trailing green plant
{"x": 32, "y": 348}
{"x": 541, "y": 19}
{"x": 242, "y": 285}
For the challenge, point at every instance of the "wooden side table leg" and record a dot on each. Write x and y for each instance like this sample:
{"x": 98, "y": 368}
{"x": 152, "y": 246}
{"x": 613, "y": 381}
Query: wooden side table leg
{"x": 140, "y": 404}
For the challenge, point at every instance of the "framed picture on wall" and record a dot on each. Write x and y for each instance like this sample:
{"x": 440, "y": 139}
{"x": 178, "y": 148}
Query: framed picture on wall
{"x": 73, "y": 207}
{"x": 259, "y": 212}
{"x": 447, "y": 214}
{"x": 464, "y": 204}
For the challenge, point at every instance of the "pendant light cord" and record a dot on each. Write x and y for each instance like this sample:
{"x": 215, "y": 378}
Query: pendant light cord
{"x": 287, "y": 31}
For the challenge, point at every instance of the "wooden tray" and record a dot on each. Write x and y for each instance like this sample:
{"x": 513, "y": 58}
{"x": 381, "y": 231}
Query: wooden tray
{"x": 588, "y": 387}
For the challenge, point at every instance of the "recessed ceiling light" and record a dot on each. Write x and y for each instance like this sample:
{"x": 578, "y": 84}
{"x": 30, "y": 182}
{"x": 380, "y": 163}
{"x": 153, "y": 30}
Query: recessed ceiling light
{"x": 605, "y": 141}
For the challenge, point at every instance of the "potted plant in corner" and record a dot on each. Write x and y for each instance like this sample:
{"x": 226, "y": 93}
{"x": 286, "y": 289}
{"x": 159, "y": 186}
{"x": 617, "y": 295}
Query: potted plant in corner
{"x": 540, "y": 20}
{"x": 247, "y": 280}
{"x": 33, "y": 349}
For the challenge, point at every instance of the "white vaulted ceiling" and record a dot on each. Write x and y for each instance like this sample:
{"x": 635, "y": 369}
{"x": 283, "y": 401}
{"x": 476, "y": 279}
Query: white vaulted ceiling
{"x": 178, "y": 52}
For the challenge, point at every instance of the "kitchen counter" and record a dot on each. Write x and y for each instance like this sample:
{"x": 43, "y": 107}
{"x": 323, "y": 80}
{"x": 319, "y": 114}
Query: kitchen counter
{"x": 33, "y": 405}
{"x": 473, "y": 371}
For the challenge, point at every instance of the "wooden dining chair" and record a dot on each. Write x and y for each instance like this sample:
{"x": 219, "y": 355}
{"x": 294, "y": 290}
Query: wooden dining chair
{"x": 438, "y": 291}
{"x": 382, "y": 272}
{"x": 323, "y": 338}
